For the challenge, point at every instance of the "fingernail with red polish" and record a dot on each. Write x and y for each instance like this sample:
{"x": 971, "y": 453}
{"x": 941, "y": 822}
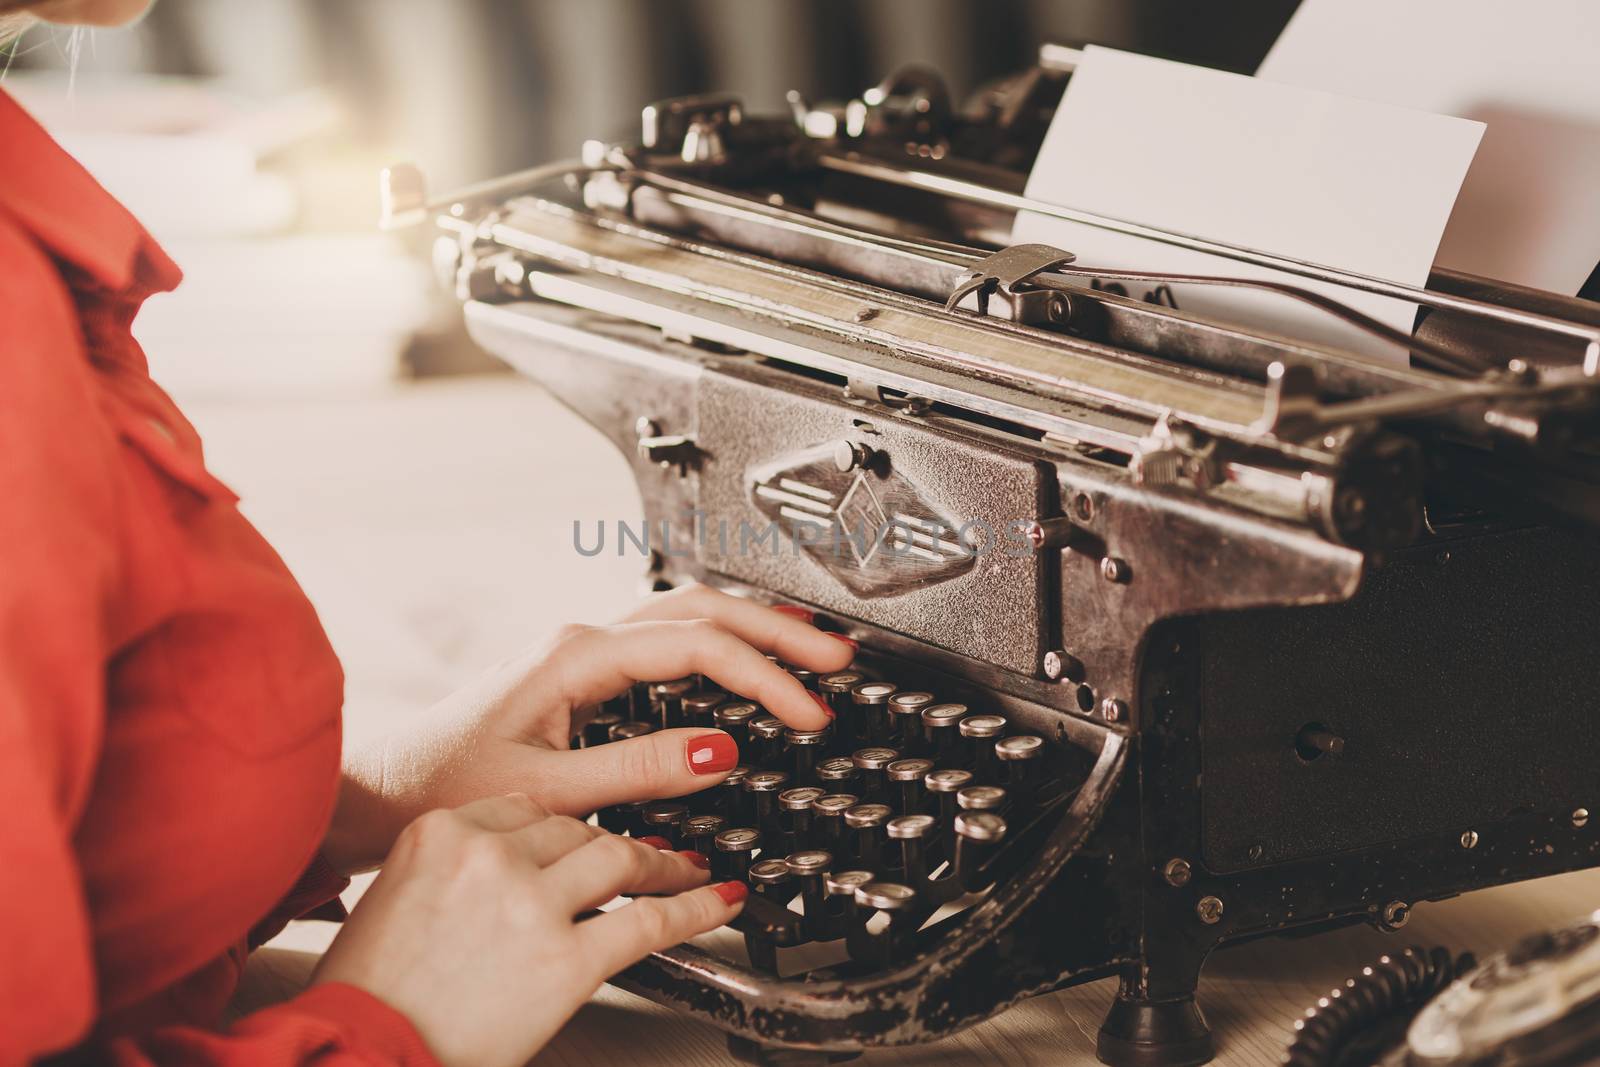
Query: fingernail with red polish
{"x": 657, "y": 842}
{"x": 732, "y": 892}
{"x": 841, "y": 637}
{"x": 711, "y": 754}
{"x": 795, "y": 611}
{"x": 823, "y": 704}
{"x": 695, "y": 858}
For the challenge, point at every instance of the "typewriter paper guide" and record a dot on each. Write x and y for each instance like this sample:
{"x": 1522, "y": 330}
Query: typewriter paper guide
{"x": 1296, "y": 172}
{"x": 1528, "y": 212}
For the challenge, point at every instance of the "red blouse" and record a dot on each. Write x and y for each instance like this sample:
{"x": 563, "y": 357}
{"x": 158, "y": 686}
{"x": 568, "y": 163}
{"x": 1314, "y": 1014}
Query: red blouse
{"x": 169, "y": 705}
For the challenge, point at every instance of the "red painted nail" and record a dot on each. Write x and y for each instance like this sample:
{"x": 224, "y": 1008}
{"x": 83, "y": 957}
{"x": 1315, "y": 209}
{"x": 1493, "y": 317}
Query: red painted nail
{"x": 711, "y": 753}
{"x": 852, "y": 642}
{"x": 823, "y": 704}
{"x": 657, "y": 842}
{"x": 732, "y": 892}
{"x": 695, "y": 858}
{"x": 795, "y": 611}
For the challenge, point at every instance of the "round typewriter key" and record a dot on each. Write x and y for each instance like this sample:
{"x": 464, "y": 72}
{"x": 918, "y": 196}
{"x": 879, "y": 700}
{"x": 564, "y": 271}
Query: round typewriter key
{"x": 978, "y": 735}
{"x": 622, "y": 731}
{"x": 698, "y": 831}
{"x": 885, "y": 896}
{"x": 734, "y": 849}
{"x": 838, "y": 774}
{"x": 865, "y": 823}
{"x": 978, "y": 837}
{"x": 943, "y": 785}
{"x": 872, "y": 763}
{"x": 915, "y": 833}
{"x": 1021, "y": 764}
{"x": 773, "y": 880}
{"x": 828, "y": 812}
{"x": 766, "y": 740}
{"x": 807, "y": 678}
{"x": 845, "y": 883}
{"x": 904, "y": 727}
{"x": 839, "y": 900}
{"x": 699, "y": 706}
{"x": 941, "y": 731}
{"x": 981, "y": 798}
{"x": 732, "y": 802}
{"x": 906, "y": 775}
{"x": 835, "y": 689}
{"x": 805, "y": 748}
{"x": 794, "y": 807}
{"x": 809, "y": 867}
{"x": 763, "y": 788}
{"x": 664, "y": 818}
{"x": 597, "y": 731}
{"x": 871, "y": 700}
{"x": 734, "y": 718}
{"x": 666, "y": 702}
{"x": 630, "y": 819}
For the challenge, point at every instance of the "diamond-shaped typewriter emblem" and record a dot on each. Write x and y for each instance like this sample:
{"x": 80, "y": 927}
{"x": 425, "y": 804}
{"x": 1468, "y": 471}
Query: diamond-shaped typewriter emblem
{"x": 875, "y": 531}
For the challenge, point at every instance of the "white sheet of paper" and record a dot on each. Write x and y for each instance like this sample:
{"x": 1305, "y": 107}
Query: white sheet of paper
{"x": 1529, "y": 211}
{"x": 1296, "y": 172}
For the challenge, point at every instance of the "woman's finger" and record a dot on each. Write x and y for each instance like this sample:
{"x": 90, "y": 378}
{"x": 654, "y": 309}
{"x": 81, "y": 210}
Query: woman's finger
{"x": 617, "y": 938}
{"x": 503, "y": 814}
{"x": 548, "y": 840}
{"x": 599, "y": 663}
{"x": 784, "y": 634}
{"x": 610, "y": 866}
{"x": 668, "y": 763}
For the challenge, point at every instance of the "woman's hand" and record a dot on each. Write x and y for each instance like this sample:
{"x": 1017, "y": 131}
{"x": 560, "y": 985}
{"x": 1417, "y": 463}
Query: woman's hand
{"x": 510, "y": 731}
{"x": 472, "y": 931}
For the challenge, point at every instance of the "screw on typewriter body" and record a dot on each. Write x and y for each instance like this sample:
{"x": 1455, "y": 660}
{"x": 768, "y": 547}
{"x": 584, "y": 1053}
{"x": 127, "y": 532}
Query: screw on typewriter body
{"x": 597, "y": 731}
{"x": 873, "y": 763}
{"x": 809, "y": 869}
{"x": 828, "y": 815}
{"x": 905, "y": 726}
{"x": 794, "y": 814}
{"x": 734, "y": 850}
{"x": 941, "y": 731}
{"x": 732, "y": 801}
{"x": 664, "y": 818}
{"x": 1177, "y": 872}
{"x": 1113, "y": 569}
{"x": 849, "y": 455}
{"x": 700, "y": 830}
{"x": 864, "y": 823}
{"x": 871, "y": 700}
{"x": 766, "y": 740}
{"x": 901, "y": 904}
{"x": 805, "y": 748}
{"x": 982, "y": 798}
{"x": 978, "y": 836}
{"x": 839, "y": 901}
{"x": 734, "y": 718}
{"x": 838, "y": 774}
{"x": 835, "y": 689}
{"x": 700, "y": 706}
{"x": 915, "y": 834}
{"x": 763, "y": 787}
{"x": 905, "y": 776}
{"x": 1060, "y": 665}
{"x": 1113, "y": 710}
{"x": 978, "y": 735}
{"x": 943, "y": 785}
{"x": 1209, "y": 910}
{"x": 666, "y": 702}
{"x": 773, "y": 880}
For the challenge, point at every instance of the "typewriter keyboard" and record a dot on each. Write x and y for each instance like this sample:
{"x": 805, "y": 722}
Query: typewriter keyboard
{"x": 905, "y": 809}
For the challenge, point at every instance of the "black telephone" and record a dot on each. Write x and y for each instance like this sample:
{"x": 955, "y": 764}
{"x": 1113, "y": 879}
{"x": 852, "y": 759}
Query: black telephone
{"x": 1534, "y": 1005}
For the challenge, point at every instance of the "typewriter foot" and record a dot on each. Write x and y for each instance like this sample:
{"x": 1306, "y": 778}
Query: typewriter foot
{"x": 1144, "y": 1033}
{"x": 746, "y": 1051}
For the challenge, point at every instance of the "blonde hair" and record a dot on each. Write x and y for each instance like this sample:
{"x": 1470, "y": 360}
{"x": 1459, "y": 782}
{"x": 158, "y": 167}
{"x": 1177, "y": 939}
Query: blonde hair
{"x": 14, "y": 26}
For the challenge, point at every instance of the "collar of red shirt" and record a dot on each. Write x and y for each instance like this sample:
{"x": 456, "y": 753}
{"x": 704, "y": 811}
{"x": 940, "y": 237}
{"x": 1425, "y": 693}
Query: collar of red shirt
{"x": 70, "y": 214}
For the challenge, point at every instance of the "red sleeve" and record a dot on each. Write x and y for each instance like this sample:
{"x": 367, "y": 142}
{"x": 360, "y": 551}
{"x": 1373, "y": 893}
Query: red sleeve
{"x": 314, "y": 896}
{"x": 331, "y": 1025}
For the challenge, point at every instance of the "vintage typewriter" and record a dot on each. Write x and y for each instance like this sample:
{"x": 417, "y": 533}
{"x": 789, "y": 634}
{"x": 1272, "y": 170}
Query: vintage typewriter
{"x": 1173, "y": 633}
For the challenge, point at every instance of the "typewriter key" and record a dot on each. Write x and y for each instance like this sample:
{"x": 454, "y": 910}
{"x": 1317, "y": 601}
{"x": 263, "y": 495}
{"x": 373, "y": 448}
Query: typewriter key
{"x": 905, "y": 778}
{"x": 839, "y": 900}
{"x": 981, "y": 798}
{"x": 773, "y": 880}
{"x": 978, "y": 837}
{"x": 1021, "y": 764}
{"x": 732, "y": 801}
{"x": 835, "y": 689}
{"x": 734, "y": 718}
{"x": 805, "y": 748}
{"x": 872, "y": 763}
{"x": 629, "y": 819}
{"x": 809, "y": 867}
{"x": 623, "y": 730}
{"x": 839, "y": 774}
{"x": 901, "y": 904}
{"x": 828, "y": 812}
{"x": 699, "y": 706}
{"x": 915, "y": 834}
{"x": 978, "y": 735}
{"x": 664, "y": 818}
{"x": 807, "y": 678}
{"x": 734, "y": 849}
{"x": 941, "y": 736}
{"x": 597, "y": 731}
{"x": 904, "y": 727}
{"x": 943, "y": 785}
{"x": 666, "y": 702}
{"x": 766, "y": 741}
{"x": 871, "y": 700}
{"x": 865, "y": 823}
{"x": 794, "y": 807}
{"x": 763, "y": 787}
{"x": 698, "y": 831}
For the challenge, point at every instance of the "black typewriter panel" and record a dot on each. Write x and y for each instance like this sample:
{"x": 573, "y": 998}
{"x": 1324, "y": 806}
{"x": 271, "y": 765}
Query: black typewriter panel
{"x": 903, "y": 522}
